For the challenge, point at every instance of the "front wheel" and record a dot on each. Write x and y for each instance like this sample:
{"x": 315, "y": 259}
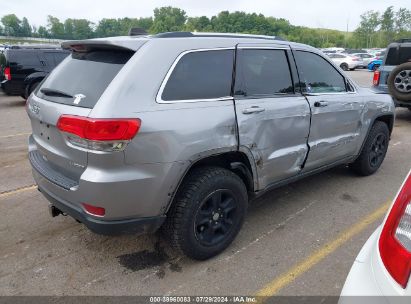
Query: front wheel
{"x": 373, "y": 151}
{"x": 207, "y": 213}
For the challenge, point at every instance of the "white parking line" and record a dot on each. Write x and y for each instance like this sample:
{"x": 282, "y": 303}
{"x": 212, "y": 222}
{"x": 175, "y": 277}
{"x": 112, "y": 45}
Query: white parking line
{"x": 14, "y": 135}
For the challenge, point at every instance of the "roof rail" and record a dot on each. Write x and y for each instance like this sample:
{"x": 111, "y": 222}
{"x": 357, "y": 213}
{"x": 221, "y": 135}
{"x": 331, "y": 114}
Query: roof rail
{"x": 215, "y": 35}
{"x": 403, "y": 40}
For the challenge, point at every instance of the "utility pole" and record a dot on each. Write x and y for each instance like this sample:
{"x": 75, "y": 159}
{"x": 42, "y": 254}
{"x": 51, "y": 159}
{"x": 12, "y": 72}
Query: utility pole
{"x": 346, "y": 34}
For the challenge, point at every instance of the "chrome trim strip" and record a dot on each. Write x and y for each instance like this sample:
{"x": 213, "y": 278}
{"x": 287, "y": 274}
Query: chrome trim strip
{"x": 159, "y": 98}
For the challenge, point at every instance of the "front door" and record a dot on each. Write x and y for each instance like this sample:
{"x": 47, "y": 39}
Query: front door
{"x": 336, "y": 111}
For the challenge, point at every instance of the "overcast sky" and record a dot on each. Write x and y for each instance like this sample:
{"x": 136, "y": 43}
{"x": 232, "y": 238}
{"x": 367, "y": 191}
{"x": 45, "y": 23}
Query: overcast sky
{"x": 313, "y": 13}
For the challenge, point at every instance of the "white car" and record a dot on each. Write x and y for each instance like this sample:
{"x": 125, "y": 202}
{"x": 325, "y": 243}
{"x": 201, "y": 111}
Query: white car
{"x": 346, "y": 62}
{"x": 366, "y": 58}
{"x": 383, "y": 266}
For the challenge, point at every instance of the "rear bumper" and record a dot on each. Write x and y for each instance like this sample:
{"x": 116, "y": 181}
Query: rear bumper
{"x": 135, "y": 198}
{"x": 405, "y": 104}
{"x": 12, "y": 87}
{"x": 127, "y": 226}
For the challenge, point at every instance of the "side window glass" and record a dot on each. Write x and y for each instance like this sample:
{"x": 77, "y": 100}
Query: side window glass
{"x": 262, "y": 72}
{"x": 201, "y": 75}
{"x": 317, "y": 75}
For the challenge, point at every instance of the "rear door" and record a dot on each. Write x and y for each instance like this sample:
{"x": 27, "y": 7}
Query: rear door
{"x": 273, "y": 117}
{"x": 336, "y": 110}
{"x": 73, "y": 88}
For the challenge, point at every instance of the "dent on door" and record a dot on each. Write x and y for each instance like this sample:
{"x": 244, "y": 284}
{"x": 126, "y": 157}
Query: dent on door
{"x": 277, "y": 138}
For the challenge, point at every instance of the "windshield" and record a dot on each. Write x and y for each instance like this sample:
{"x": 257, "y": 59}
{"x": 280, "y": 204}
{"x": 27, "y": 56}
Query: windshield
{"x": 81, "y": 78}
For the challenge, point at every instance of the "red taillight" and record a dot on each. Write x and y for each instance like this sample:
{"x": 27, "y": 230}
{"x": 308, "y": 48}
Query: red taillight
{"x": 7, "y": 73}
{"x": 376, "y": 78}
{"x": 395, "y": 239}
{"x": 99, "y": 129}
{"x": 94, "y": 210}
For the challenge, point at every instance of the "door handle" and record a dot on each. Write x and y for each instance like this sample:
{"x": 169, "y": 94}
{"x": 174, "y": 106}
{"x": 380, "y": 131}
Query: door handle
{"x": 253, "y": 109}
{"x": 320, "y": 104}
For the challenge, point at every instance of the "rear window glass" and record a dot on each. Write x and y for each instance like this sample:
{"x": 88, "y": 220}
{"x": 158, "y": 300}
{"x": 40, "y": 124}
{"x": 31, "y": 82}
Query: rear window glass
{"x": 82, "y": 78}
{"x": 201, "y": 75}
{"x": 397, "y": 56}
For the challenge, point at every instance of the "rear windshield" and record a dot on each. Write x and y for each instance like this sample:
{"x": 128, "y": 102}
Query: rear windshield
{"x": 81, "y": 79}
{"x": 398, "y": 55}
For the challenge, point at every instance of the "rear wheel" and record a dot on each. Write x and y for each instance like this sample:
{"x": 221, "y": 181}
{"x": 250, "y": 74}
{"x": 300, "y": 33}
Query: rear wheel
{"x": 344, "y": 66}
{"x": 207, "y": 213}
{"x": 374, "y": 150}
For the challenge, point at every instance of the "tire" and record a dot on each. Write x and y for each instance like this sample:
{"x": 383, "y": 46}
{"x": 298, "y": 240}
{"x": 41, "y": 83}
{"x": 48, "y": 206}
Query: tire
{"x": 399, "y": 82}
{"x": 195, "y": 224}
{"x": 373, "y": 151}
{"x": 344, "y": 66}
{"x": 30, "y": 88}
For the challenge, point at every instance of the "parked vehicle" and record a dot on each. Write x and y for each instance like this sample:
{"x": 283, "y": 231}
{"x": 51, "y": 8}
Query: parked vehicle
{"x": 133, "y": 133}
{"x": 24, "y": 67}
{"x": 383, "y": 266}
{"x": 394, "y": 74}
{"x": 374, "y": 64}
{"x": 355, "y": 51}
{"x": 346, "y": 62}
{"x": 377, "y": 52}
{"x": 365, "y": 57}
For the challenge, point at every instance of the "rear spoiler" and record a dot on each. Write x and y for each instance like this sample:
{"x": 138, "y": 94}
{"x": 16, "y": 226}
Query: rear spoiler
{"x": 125, "y": 44}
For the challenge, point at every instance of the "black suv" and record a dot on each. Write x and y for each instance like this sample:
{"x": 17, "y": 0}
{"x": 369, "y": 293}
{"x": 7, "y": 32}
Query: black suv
{"x": 394, "y": 75}
{"x": 22, "y": 68}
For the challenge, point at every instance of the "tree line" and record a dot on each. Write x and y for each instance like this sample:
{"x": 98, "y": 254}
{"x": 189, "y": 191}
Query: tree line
{"x": 376, "y": 29}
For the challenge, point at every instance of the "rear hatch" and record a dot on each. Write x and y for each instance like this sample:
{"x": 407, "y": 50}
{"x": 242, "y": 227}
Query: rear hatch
{"x": 73, "y": 88}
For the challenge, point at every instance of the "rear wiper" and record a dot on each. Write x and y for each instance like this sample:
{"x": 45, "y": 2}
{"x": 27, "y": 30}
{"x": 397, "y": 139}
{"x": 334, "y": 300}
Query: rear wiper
{"x": 56, "y": 93}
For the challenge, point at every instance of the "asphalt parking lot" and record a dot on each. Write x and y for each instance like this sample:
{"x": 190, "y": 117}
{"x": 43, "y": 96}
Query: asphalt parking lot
{"x": 300, "y": 239}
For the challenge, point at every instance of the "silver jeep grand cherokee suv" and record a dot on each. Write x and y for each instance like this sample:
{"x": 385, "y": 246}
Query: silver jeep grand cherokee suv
{"x": 181, "y": 130}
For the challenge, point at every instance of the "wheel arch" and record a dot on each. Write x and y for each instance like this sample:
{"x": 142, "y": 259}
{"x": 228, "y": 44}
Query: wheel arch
{"x": 388, "y": 119}
{"x": 239, "y": 162}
